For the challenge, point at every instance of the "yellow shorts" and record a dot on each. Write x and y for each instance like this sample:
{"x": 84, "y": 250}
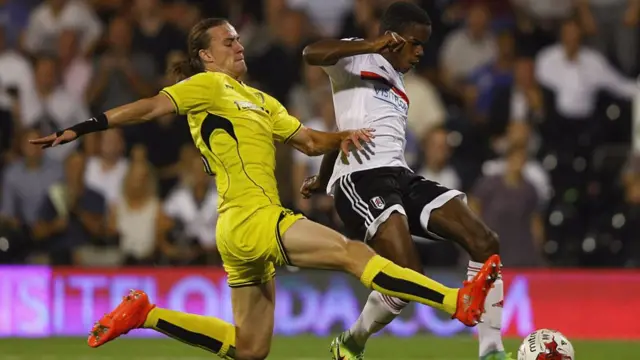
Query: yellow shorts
{"x": 250, "y": 247}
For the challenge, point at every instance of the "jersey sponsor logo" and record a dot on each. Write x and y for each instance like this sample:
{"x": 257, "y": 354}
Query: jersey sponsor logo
{"x": 247, "y": 105}
{"x": 386, "y": 91}
{"x": 389, "y": 96}
{"x": 377, "y": 202}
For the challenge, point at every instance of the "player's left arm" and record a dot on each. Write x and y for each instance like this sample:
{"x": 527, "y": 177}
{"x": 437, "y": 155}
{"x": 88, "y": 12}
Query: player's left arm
{"x": 289, "y": 130}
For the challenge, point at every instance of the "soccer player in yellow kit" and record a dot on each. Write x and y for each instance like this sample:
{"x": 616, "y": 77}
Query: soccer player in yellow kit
{"x": 234, "y": 125}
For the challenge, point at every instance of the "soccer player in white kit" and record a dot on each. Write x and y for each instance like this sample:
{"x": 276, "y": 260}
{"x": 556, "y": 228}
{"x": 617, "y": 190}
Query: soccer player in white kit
{"x": 377, "y": 196}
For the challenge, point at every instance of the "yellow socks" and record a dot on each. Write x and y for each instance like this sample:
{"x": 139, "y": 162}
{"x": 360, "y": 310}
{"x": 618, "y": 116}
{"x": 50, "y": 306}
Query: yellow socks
{"x": 390, "y": 279}
{"x": 208, "y": 333}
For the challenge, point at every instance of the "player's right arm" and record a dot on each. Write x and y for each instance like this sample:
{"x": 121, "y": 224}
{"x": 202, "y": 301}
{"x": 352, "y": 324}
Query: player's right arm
{"x": 329, "y": 51}
{"x": 187, "y": 95}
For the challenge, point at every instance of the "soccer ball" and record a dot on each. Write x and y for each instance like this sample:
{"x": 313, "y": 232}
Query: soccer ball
{"x": 545, "y": 344}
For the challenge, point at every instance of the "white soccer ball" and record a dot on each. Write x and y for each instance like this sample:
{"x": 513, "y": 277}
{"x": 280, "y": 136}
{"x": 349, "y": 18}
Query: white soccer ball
{"x": 545, "y": 344}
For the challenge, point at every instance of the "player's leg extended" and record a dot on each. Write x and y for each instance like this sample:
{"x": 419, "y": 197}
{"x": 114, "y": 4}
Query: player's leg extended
{"x": 393, "y": 241}
{"x": 455, "y": 220}
{"x": 311, "y": 245}
{"x": 249, "y": 339}
{"x": 135, "y": 312}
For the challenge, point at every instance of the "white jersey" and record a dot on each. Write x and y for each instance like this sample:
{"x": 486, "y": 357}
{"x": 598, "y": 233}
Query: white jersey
{"x": 369, "y": 93}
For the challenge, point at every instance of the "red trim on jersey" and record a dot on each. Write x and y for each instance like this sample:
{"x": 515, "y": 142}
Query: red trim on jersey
{"x": 368, "y": 75}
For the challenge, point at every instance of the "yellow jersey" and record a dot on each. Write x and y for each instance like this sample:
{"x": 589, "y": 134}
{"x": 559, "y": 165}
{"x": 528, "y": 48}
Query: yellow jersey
{"x": 234, "y": 126}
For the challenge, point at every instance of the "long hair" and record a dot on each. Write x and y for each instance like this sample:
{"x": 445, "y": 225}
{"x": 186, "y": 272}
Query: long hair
{"x": 198, "y": 39}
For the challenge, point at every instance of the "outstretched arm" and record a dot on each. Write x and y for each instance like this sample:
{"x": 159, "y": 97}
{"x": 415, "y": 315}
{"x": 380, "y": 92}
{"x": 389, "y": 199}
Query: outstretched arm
{"x": 314, "y": 142}
{"x": 135, "y": 112}
{"x": 329, "y": 51}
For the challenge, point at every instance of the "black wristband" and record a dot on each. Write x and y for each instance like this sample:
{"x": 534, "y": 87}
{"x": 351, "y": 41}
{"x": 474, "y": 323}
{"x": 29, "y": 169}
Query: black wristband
{"x": 95, "y": 124}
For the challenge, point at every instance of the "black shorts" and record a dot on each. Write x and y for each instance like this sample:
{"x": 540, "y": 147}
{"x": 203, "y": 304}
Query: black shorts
{"x": 365, "y": 199}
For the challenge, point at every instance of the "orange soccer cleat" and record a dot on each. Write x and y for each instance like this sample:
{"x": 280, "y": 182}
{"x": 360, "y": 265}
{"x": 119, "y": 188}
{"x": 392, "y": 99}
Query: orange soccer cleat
{"x": 129, "y": 315}
{"x": 471, "y": 297}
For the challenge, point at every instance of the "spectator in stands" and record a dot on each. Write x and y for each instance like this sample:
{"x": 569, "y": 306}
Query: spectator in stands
{"x": 546, "y": 14}
{"x": 324, "y": 16}
{"x": 303, "y": 97}
{"x": 519, "y": 134}
{"x": 467, "y": 49}
{"x": 52, "y": 16}
{"x": 153, "y": 34}
{"x": 75, "y": 70}
{"x": 105, "y": 173}
{"x": 284, "y": 51}
{"x": 192, "y": 208}
{"x": 362, "y": 21}
{"x": 437, "y": 153}
{"x": 107, "y": 9}
{"x": 14, "y": 15}
{"x": 427, "y": 111}
{"x": 17, "y": 85}
{"x": 183, "y": 15}
{"x": 54, "y": 108}
{"x": 615, "y": 30}
{"x": 26, "y": 183}
{"x": 509, "y": 205}
{"x": 173, "y": 58}
{"x": 522, "y": 101}
{"x": 498, "y": 73}
{"x": 576, "y": 75}
{"x": 530, "y": 35}
{"x": 71, "y": 214}
{"x": 163, "y": 139}
{"x": 304, "y": 166}
{"x": 137, "y": 218}
{"x": 122, "y": 74}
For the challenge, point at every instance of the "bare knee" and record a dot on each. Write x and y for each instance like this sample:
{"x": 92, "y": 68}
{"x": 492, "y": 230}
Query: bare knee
{"x": 354, "y": 256}
{"x": 483, "y": 245}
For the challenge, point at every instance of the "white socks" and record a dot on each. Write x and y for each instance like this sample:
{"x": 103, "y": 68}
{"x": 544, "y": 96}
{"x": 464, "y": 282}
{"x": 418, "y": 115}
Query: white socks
{"x": 377, "y": 313}
{"x": 489, "y": 330}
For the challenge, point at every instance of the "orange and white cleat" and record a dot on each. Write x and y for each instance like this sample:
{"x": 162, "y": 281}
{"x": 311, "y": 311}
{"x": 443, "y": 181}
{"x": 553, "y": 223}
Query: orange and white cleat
{"x": 129, "y": 315}
{"x": 472, "y": 296}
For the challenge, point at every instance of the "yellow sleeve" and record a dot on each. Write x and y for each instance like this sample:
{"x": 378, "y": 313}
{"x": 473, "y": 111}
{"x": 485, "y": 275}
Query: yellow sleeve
{"x": 285, "y": 126}
{"x": 192, "y": 94}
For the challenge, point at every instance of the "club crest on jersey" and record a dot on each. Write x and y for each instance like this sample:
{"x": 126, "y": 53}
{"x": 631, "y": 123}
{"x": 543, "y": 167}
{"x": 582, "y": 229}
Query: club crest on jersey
{"x": 377, "y": 202}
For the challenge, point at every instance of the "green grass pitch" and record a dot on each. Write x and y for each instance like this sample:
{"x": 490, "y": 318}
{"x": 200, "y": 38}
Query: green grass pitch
{"x": 288, "y": 348}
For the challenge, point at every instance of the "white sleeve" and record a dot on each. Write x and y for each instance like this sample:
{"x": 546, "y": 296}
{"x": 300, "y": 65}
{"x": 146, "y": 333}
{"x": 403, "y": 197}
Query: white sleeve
{"x": 340, "y": 71}
{"x": 611, "y": 80}
{"x": 544, "y": 69}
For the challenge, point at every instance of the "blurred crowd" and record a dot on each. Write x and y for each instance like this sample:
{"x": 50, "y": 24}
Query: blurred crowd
{"x": 526, "y": 105}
